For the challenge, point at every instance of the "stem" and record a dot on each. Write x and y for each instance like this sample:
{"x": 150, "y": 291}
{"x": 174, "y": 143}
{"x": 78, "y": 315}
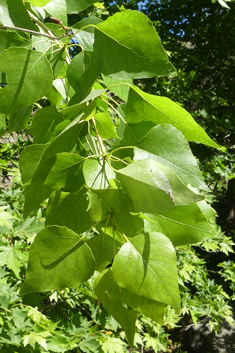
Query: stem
{"x": 34, "y": 32}
{"x": 57, "y": 39}
{"x": 116, "y": 111}
{"x": 99, "y": 138}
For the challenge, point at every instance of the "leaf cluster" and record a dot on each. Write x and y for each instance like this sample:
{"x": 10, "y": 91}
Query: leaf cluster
{"x": 111, "y": 162}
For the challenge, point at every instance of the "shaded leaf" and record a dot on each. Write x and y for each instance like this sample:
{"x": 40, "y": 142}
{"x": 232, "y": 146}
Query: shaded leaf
{"x": 118, "y": 86}
{"x": 11, "y": 39}
{"x": 29, "y": 159}
{"x": 103, "y": 248}
{"x": 19, "y": 120}
{"x": 44, "y": 122}
{"x": 149, "y": 307}
{"x": 69, "y": 210}
{"x": 109, "y": 295}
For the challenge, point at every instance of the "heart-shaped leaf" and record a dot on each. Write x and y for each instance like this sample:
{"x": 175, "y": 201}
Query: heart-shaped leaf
{"x": 64, "y": 260}
{"x": 146, "y": 265}
{"x": 29, "y": 78}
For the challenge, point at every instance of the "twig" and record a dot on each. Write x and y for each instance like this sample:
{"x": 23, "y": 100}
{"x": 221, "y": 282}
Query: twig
{"x": 51, "y": 36}
{"x": 99, "y": 138}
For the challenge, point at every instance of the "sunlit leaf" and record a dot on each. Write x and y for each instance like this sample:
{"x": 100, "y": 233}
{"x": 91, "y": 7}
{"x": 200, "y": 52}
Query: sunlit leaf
{"x": 127, "y": 46}
{"x": 29, "y": 78}
{"x": 146, "y": 265}
{"x": 64, "y": 260}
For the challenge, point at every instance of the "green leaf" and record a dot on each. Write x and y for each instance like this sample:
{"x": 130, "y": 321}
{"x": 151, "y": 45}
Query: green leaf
{"x": 97, "y": 173}
{"x": 113, "y": 345}
{"x": 13, "y": 13}
{"x": 11, "y": 39}
{"x": 58, "y": 9}
{"x": 146, "y": 265}
{"x": 39, "y": 3}
{"x": 142, "y": 106}
{"x": 74, "y": 6}
{"x": 182, "y": 225}
{"x": 12, "y": 256}
{"x": 153, "y": 187}
{"x": 58, "y": 258}
{"x": 167, "y": 145}
{"x": 63, "y": 170}
{"x": 57, "y": 60}
{"x": 109, "y": 295}
{"x": 29, "y": 159}
{"x": 149, "y": 307}
{"x": 64, "y": 142}
{"x": 69, "y": 210}
{"x": 44, "y": 122}
{"x": 86, "y": 36}
{"x": 103, "y": 248}
{"x": 127, "y": 46}
{"x": 115, "y": 202}
{"x": 118, "y": 86}
{"x": 82, "y": 73}
{"x": 2, "y": 124}
{"x": 19, "y": 120}
{"x": 35, "y": 194}
{"x": 105, "y": 126}
{"x": 29, "y": 78}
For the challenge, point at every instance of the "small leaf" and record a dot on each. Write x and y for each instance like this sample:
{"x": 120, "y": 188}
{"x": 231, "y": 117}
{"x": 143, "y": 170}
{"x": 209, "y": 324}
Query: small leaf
{"x": 82, "y": 73}
{"x": 113, "y": 345}
{"x": 109, "y": 295}
{"x": 58, "y": 258}
{"x": 97, "y": 173}
{"x": 118, "y": 86}
{"x": 105, "y": 126}
{"x": 84, "y": 33}
{"x": 146, "y": 265}
{"x": 103, "y": 248}
{"x": 127, "y": 46}
{"x": 58, "y": 9}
